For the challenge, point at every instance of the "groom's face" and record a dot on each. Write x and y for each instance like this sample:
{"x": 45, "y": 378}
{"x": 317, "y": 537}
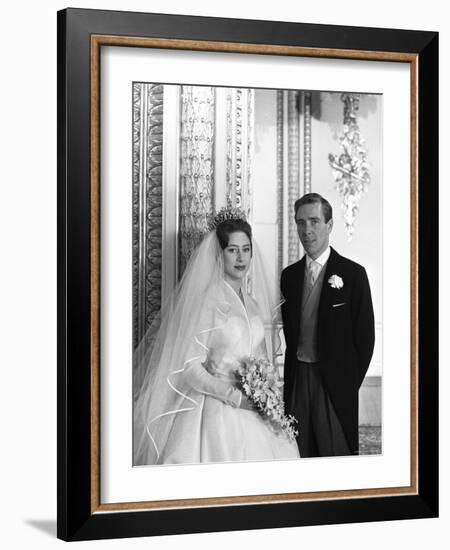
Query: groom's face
{"x": 312, "y": 229}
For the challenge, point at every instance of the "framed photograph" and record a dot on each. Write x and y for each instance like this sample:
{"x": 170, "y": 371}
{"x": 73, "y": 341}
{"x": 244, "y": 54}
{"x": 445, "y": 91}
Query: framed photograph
{"x": 247, "y": 274}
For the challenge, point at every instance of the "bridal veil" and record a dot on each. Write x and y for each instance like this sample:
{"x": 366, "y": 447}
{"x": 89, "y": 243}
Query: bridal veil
{"x": 179, "y": 336}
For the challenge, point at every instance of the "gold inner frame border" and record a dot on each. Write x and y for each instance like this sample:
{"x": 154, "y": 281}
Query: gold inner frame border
{"x": 97, "y": 41}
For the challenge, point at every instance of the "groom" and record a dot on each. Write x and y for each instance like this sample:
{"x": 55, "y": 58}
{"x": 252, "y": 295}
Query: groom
{"x": 328, "y": 325}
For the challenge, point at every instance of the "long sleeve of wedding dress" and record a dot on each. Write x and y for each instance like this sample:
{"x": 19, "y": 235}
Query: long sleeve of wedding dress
{"x": 188, "y": 409}
{"x": 213, "y": 422}
{"x": 202, "y": 381}
{"x": 203, "y": 350}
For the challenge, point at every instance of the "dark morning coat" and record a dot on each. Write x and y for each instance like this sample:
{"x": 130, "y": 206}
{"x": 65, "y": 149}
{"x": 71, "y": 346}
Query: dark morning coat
{"x": 345, "y": 335}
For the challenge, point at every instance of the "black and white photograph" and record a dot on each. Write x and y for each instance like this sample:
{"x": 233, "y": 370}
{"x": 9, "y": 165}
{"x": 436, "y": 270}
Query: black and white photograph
{"x": 257, "y": 262}
{"x": 224, "y": 275}
{"x": 245, "y": 311}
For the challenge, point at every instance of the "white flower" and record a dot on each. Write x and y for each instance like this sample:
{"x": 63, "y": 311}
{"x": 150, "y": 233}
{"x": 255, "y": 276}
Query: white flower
{"x": 336, "y": 282}
{"x": 259, "y": 381}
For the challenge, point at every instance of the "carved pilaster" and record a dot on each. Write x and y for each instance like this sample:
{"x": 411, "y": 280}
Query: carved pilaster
{"x": 280, "y": 179}
{"x": 137, "y": 94}
{"x": 307, "y": 151}
{"x": 294, "y": 173}
{"x": 196, "y": 166}
{"x": 249, "y": 138}
{"x": 240, "y": 142}
{"x": 238, "y": 145}
{"x": 153, "y": 214}
{"x": 147, "y": 205}
{"x": 230, "y": 150}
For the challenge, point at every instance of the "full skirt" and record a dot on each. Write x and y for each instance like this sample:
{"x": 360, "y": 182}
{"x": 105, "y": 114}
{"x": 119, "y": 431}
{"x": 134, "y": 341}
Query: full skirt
{"x": 216, "y": 432}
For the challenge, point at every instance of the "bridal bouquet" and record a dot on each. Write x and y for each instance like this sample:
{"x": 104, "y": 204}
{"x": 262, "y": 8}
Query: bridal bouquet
{"x": 261, "y": 384}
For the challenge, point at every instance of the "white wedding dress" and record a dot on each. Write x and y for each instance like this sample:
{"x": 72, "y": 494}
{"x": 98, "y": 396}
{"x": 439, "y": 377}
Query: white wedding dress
{"x": 210, "y": 426}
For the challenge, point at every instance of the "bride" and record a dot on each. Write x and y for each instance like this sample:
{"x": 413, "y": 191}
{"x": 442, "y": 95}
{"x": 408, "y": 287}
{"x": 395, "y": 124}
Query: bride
{"x": 188, "y": 408}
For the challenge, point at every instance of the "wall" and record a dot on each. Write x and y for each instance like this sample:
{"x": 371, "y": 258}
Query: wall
{"x": 28, "y": 277}
{"x": 264, "y": 185}
{"x": 366, "y": 245}
{"x": 327, "y": 125}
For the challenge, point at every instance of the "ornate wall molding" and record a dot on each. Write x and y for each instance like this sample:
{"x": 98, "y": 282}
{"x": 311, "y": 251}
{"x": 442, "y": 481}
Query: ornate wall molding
{"x": 249, "y": 140}
{"x": 294, "y": 172}
{"x": 351, "y": 167}
{"x": 294, "y": 166}
{"x": 307, "y": 150}
{"x": 196, "y": 166}
{"x": 154, "y": 197}
{"x": 231, "y": 150}
{"x": 280, "y": 179}
{"x": 147, "y": 205}
{"x": 239, "y": 147}
{"x": 137, "y": 95}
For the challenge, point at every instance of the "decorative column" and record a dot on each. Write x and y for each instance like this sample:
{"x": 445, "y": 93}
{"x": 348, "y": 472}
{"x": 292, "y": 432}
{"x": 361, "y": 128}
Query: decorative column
{"x": 281, "y": 214}
{"x": 196, "y": 167}
{"x": 239, "y": 148}
{"x": 294, "y": 173}
{"x": 147, "y": 205}
{"x": 307, "y": 164}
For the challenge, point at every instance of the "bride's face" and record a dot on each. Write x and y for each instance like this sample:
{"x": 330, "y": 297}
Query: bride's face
{"x": 237, "y": 256}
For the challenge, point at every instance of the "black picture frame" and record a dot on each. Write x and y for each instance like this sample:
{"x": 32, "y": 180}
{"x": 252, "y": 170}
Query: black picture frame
{"x": 78, "y": 517}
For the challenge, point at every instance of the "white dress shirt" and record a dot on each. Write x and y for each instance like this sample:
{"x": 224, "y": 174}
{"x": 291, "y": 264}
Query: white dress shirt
{"x": 321, "y": 260}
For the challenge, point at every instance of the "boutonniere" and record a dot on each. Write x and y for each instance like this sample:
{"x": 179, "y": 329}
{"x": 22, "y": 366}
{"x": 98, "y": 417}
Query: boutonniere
{"x": 336, "y": 282}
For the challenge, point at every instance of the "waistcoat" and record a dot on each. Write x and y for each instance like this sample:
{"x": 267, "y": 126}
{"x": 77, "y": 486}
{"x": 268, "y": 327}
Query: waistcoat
{"x": 307, "y": 342}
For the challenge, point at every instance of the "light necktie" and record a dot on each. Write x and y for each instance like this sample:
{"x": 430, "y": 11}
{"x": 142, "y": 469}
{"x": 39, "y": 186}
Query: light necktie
{"x": 314, "y": 270}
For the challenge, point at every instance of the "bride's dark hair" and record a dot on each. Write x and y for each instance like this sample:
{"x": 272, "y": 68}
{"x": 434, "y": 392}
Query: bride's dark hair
{"x": 225, "y": 228}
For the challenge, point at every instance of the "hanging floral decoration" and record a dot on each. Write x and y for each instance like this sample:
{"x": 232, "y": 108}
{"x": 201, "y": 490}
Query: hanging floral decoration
{"x": 351, "y": 167}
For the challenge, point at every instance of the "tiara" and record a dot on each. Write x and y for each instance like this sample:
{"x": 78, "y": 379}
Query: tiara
{"x": 225, "y": 214}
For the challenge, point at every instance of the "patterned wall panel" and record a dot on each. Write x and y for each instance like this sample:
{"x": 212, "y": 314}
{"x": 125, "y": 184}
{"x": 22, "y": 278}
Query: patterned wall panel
{"x": 294, "y": 160}
{"x": 249, "y": 140}
{"x": 240, "y": 143}
{"x": 196, "y": 167}
{"x": 293, "y": 173}
{"x": 137, "y": 99}
{"x": 307, "y": 160}
{"x": 147, "y": 205}
{"x": 280, "y": 180}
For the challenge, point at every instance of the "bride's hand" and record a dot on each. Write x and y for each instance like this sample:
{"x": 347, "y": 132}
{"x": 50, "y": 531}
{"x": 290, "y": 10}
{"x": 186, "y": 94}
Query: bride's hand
{"x": 247, "y": 404}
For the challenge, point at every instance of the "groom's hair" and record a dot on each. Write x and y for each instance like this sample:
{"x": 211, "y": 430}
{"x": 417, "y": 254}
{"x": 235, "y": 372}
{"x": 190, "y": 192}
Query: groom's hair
{"x": 314, "y": 198}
